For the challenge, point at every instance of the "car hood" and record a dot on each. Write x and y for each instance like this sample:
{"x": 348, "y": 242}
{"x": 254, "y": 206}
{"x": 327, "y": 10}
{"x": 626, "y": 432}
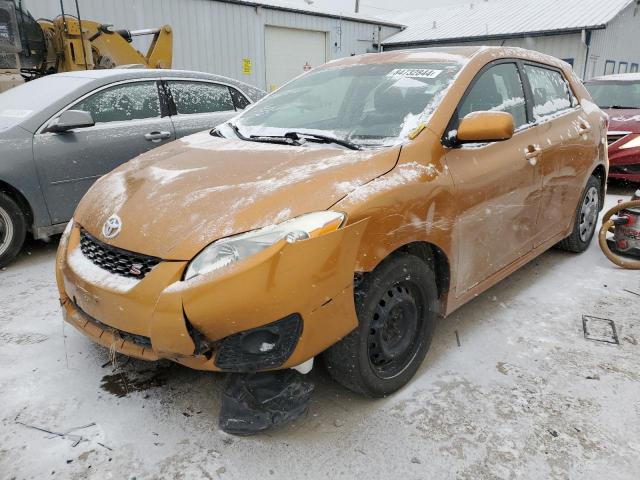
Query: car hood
{"x": 627, "y": 120}
{"x": 175, "y": 200}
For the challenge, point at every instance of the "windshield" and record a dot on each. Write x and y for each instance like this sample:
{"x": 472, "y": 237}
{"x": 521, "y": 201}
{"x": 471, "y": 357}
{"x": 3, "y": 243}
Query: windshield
{"x": 365, "y": 104}
{"x": 20, "y": 103}
{"x": 615, "y": 94}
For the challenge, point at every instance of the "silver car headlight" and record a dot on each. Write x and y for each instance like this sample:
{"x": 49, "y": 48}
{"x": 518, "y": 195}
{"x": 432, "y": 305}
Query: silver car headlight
{"x": 227, "y": 251}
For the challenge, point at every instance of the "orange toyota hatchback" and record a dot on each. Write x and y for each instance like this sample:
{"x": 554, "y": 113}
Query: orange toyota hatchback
{"x": 340, "y": 216}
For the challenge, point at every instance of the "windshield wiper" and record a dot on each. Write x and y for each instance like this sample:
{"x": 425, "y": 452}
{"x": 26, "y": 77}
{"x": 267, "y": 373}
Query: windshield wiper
{"x": 263, "y": 139}
{"x": 324, "y": 139}
{"x": 290, "y": 138}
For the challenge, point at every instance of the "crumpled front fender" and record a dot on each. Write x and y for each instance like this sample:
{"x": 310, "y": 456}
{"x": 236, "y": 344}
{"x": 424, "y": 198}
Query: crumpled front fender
{"x": 313, "y": 278}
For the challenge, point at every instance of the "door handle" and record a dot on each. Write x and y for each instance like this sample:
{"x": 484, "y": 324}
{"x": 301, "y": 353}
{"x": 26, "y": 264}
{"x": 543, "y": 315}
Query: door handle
{"x": 532, "y": 153}
{"x": 157, "y": 136}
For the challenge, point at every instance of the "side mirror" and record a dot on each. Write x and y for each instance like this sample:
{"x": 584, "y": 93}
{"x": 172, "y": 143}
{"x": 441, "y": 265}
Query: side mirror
{"x": 485, "y": 127}
{"x": 71, "y": 119}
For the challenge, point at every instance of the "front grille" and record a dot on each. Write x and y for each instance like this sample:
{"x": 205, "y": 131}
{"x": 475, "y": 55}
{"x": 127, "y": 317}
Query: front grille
{"x": 115, "y": 260}
{"x": 613, "y": 137}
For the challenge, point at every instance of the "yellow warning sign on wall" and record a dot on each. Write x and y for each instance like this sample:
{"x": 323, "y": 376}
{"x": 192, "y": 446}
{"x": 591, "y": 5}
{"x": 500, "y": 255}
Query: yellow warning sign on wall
{"x": 246, "y": 66}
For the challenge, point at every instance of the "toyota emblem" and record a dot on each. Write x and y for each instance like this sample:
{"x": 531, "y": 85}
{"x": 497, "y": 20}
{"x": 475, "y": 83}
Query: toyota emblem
{"x": 112, "y": 227}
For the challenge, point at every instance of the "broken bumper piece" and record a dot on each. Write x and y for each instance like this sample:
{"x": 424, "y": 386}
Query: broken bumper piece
{"x": 254, "y": 402}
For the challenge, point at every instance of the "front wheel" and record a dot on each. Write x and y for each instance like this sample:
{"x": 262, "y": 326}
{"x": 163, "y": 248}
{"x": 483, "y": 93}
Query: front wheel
{"x": 586, "y": 218}
{"x": 397, "y": 306}
{"x": 13, "y": 229}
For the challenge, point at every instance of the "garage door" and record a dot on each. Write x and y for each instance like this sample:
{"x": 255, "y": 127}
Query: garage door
{"x": 289, "y": 52}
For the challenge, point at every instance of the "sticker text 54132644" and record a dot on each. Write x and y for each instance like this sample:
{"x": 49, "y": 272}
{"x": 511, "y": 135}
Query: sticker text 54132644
{"x": 414, "y": 72}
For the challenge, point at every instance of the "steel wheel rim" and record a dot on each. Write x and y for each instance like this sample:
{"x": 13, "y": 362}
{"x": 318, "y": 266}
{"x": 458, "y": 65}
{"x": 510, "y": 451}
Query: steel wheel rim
{"x": 588, "y": 214}
{"x": 6, "y": 231}
{"x": 395, "y": 330}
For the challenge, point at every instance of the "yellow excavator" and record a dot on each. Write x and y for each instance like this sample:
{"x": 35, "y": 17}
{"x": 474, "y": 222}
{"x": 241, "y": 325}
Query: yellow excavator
{"x": 32, "y": 48}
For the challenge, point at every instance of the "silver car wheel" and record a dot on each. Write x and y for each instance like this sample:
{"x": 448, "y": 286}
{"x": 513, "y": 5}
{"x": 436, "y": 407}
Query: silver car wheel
{"x": 6, "y": 230}
{"x": 589, "y": 214}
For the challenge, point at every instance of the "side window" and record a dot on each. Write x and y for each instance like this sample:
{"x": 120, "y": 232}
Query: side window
{"x": 622, "y": 67}
{"x": 551, "y": 93}
{"x": 634, "y": 68}
{"x": 239, "y": 100}
{"x": 129, "y": 101}
{"x": 499, "y": 88}
{"x": 200, "y": 97}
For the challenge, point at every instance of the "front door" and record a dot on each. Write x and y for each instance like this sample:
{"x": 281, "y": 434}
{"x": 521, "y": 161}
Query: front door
{"x": 497, "y": 184}
{"x": 128, "y": 122}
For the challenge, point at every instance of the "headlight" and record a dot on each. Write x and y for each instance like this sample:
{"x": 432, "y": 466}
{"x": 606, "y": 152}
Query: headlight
{"x": 632, "y": 143}
{"x": 227, "y": 251}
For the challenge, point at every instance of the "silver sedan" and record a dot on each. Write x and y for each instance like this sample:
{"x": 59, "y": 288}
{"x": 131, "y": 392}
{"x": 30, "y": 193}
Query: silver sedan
{"x": 60, "y": 133}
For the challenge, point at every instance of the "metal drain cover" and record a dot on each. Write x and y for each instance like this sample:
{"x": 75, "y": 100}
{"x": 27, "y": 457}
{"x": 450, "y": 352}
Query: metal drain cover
{"x": 599, "y": 330}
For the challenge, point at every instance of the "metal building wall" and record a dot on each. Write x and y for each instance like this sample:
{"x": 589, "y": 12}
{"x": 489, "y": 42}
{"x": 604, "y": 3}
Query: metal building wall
{"x": 214, "y": 36}
{"x": 618, "y": 42}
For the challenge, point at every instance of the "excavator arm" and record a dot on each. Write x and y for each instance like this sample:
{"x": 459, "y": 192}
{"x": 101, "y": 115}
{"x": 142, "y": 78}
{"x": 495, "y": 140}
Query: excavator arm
{"x": 101, "y": 47}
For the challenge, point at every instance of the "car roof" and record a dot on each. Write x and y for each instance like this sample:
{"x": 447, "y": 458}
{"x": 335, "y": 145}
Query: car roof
{"x": 618, "y": 77}
{"x": 115, "y": 74}
{"x": 112, "y": 73}
{"x": 448, "y": 54}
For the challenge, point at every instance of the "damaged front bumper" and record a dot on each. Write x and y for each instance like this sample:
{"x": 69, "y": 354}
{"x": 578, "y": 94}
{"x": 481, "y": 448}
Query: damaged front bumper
{"x": 275, "y": 310}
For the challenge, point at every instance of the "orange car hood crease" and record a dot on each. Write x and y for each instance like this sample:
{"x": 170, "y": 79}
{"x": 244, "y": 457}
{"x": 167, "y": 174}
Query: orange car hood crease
{"x": 175, "y": 200}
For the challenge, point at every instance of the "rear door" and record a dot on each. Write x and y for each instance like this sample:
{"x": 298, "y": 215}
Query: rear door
{"x": 569, "y": 145}
{"x": 497, "y": 184}
{"x": 129, "y": 121}
{"x": 201, "y": 105}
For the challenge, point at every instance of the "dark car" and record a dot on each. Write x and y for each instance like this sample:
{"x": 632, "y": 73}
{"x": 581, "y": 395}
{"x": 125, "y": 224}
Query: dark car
{"x": 60, "y": 133}
{"x": 619, "y": 97}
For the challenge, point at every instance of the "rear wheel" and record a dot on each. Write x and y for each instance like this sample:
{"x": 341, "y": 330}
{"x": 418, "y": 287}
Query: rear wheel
{"x": 397, "y": 306}
{"x": 586, "y": 218}
{"x": 13, "y": 229}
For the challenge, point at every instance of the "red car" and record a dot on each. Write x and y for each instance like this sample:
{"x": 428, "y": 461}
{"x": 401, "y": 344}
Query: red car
{"x": 619, "y": 97}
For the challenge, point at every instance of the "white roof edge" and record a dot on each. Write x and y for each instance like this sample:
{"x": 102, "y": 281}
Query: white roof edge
{"x": 289, "y": 7}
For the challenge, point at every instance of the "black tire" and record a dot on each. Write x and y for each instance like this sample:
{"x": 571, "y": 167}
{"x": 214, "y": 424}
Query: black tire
{"x": 397, "y": 306}
{"x": 586, "y": 218}
{"x": 13, "y": 229}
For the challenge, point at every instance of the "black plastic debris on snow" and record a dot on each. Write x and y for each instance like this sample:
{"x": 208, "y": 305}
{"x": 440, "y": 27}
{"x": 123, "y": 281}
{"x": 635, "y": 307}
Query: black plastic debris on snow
{"x": 255, "y": 402}
{"x": 600, "y": 330}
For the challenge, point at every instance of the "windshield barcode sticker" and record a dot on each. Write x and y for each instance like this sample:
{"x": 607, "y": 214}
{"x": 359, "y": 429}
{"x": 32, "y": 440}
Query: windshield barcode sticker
{"x": 414, "y": 73}
{"x": 15, "y": 113}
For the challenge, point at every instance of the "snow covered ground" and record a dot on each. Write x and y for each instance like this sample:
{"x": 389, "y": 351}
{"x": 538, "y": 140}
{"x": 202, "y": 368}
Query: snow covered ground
{"x": 524, "y": 394}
